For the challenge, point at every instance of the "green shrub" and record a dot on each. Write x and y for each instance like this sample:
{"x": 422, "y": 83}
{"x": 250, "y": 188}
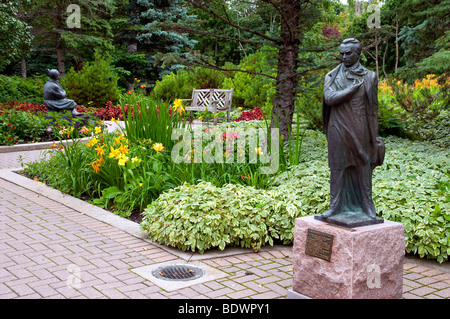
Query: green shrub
{"x": 180, "y": 85}
{"x": 18, "y": 89}
{"x": 251, "y": 90}
{"x": 203, "y": 216}
{"x": 94, "y": 85}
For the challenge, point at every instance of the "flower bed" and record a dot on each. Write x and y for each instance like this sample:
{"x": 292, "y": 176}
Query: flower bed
{"x": 24, "y": 122}
{"x": 200, "y": 205}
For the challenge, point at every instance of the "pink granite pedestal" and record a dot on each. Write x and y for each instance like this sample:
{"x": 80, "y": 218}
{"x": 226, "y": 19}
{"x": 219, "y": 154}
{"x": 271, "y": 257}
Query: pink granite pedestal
{"x": 365, "y": 263}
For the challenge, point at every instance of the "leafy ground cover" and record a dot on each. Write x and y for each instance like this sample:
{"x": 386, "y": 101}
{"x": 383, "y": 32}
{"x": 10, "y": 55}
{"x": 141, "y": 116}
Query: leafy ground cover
{"x": 412, "y": 187}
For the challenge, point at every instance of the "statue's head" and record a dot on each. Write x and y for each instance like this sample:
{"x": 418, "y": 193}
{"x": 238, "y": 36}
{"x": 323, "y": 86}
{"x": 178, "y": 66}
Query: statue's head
{"x": 350, "y": 50}
{"x": 53, "y": 74}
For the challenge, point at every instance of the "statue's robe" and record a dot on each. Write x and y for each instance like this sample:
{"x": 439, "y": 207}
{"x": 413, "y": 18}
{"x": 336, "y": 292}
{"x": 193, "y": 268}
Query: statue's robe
{"x": 55, "y": 97}
{"x": 354, "y": 148}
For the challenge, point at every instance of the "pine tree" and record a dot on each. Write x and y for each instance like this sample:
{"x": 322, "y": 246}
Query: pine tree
{"x": 53, "y": 33}
{"x": 163, "y": 48}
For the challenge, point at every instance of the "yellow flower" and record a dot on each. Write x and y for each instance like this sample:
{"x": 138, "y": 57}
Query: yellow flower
{"x": 158, "y": 147}
{"x": 140, "y": 184}
{"x": 178, "y": 106}
{"x": 114, "y": 152}
{"x": 258, "y": 151}
{"x": 98, "y": 130}
{"x": 135, "y": 159}
{"x": 240, "y": 108}
{"x": 117, "y": 140}
{"x": 92, "y": 142}
{"x": 123, "y": 160}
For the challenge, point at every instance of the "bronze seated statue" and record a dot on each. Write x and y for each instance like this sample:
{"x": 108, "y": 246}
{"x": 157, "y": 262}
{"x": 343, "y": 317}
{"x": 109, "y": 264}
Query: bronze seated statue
{"x": 55, "y": 96}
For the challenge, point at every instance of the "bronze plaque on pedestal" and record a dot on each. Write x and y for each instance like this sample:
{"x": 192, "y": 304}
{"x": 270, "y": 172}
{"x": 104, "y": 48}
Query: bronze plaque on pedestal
{"x": 318, "y": 244}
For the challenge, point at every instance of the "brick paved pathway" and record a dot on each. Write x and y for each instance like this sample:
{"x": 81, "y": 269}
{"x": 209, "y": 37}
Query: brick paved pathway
{"x": 46, "y": 246}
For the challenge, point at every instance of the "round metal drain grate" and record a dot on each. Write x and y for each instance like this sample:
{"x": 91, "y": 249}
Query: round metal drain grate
{"x": 178, "y": 272}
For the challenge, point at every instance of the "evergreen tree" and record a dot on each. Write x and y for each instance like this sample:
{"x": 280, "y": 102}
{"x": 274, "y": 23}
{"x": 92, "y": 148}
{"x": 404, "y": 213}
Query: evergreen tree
{"x": 163, "y": 48}
{"x": 425, "y": 37}
{"x": 51, "y": 26}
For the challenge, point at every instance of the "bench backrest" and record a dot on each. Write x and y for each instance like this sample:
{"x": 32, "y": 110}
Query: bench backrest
{"x": 203, "y": 99}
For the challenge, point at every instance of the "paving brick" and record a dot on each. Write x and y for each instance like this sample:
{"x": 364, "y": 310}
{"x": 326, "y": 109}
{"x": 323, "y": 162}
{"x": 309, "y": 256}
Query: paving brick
{"x": 438, "y": 285}
{"x": 40, "y": 239}
{"x": 246, "y": 293}
{"x": 188, "y": 292}
{"x": 413, "y": 276}
{"x": 201, "y": 288}
{"x": 410, "y": 283}
{"x": 411, "y": 296}
{"x": 426, "y": 280}
{"x": 267, "y": 295}
{"x": 256, "y": 287}
{"x": 422, "y": 291}
{"x": 444, "y": 293}
{"x": 444, "y": 278}
{"x": 217, "y": 294}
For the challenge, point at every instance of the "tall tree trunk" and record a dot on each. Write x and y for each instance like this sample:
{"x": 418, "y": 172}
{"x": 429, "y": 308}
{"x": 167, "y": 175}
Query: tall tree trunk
{"x": 396, "y": 42}
{"x": 287, "y": 76}
{"x": 60, "y": 42}
{"x": 384, "y": 58}
{"x": 60, "y": 57}
{"x": 23, "y": 67}
{"x": 376, "y": 55}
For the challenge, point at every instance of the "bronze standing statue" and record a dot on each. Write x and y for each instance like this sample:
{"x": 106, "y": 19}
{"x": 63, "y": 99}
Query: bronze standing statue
{"x": 55, "y": 96}
{"x": 350, "y": 119}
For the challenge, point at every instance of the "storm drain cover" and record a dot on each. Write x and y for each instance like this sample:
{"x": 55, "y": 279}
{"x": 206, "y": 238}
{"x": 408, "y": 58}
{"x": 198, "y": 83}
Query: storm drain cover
{"x": 178, "y": 272}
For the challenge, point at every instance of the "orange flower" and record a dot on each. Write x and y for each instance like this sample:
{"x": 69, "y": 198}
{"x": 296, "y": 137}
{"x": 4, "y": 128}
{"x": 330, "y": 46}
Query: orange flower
{"x": 143, "y": 86}
{"x": 100, "y": 150}
{"x": 96, "y": 166}
{"x": 123, "y": 149}
{"x": 84, "y": 129}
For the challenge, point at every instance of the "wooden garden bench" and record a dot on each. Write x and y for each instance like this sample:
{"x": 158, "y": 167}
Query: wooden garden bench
{"x": 212, "y": 100}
